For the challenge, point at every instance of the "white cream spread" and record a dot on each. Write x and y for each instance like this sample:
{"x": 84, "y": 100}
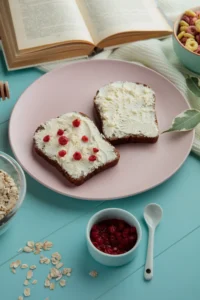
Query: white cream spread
{"x": 75, "y": 168}
{"x": 127, "y": 108}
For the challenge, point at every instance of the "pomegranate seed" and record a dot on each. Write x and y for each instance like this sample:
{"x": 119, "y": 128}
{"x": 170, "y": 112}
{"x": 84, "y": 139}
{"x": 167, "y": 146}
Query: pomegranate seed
{"x": 112, "y": 229}
{"x": 92, "y": 158}
{"x": 95, "y": 150}
{"x": 76, "y": 123}
{"x": 109, "y": 251}
{"x": 94, "y": 234}
{"x": 77, "y": 156}
{"x": 62, "y": 153}
{"x": 46, "y": 139}
{"x": 133, "y": 229}
{"x": 121, "y": 225}
{"x": 60, "y": 132}
{"x": 99, "y": 241}
{"x": 84, "y": 138}
{"x": 125, "y": 232}
{"x": 63, "y": 140}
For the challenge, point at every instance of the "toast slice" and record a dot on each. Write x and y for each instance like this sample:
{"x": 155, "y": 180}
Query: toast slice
{"x": 73, "y": 144}
{"x": 127, "y": 112}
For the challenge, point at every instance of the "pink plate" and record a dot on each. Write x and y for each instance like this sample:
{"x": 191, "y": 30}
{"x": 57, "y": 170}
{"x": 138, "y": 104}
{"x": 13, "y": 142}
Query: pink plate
{"x": 72, "y": 88}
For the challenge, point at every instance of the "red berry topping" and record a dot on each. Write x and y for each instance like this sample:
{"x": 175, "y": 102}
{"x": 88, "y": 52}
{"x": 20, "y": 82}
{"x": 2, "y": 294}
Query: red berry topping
{"x": 63, "y": 140}
{"x": 76, "y": 123}
{"x": 95, "y": 150}
{"x": 62, "y": 153}
{"x": 46, "y": 139}
{"x": 84, "y": 138}
{"x": 92, "y": 158}
{"x": 113, "y": 236}
{"x": 60, "y": 132}
{"x": 77, "y": 156}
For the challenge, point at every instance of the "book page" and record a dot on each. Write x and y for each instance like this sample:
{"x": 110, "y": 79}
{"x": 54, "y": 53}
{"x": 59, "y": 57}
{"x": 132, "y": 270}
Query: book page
{"x": 108, "y": 17}
{"x": 43, "y": 22}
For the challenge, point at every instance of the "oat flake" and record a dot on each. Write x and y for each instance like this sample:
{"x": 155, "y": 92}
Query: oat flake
{"x": 27, "y": 292}
{"x": 93, "y": 274}
{"x": 59, "y": 265}
{"x": 27, "y": 249}
{"x": 33, "y": 267}
{"x": 20, "y": 298}
{"x": 56, "y": 255}
{"x": 29, "y": 274}
{"x": 16, "y": 264}
{"x": 24, "y": 266}
{"x": 30, "y": 244}
{"x": 65, "y": 271}
{"x": 34, "y": 281}
{"x": 62, "y": 282}
{"x": 47, "y": 283}
{"x": 52, "y": 286}
{"x": 26, "y": 282}
{"x": 13, "y": 271}
{"x": 54, "y": 273}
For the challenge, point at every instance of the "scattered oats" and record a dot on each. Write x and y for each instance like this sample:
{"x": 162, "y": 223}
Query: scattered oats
{"x": 59, "y": 265}
{"x": 24, "y": 266}
{"x": 59, "y": 277}
{"x": 33, "y": 267}
{"x": 29, "y": 274}
{"x": 27, "y": 292}
{"x": 47, "y": 245}
{"x": 30, "y": 244}
{"x": 52, "y": 286}
{"x": 47, "y": 283}
{"x": 27, "y": 249}
{"x": 16, "y": 264}
{"x": 26, "y": 282}
{"x": 34, "y": 281}
{"x": 93, "y": 274}
{"x": 65, "y": 271}
{"x": 62, "y": 282}
{"x": 49, "y": 276}
{"x": 20, "y": 298}
{"x": 56, "y": 255}
{"x": 68, "y": 274}
{"x": 13, "y": 271}
{"x": 37, "y": 251}
{"x": 55, "y": 273}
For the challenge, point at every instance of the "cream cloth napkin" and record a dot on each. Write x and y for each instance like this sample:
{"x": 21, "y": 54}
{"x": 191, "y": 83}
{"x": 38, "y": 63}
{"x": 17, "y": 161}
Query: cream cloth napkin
{"x": 157, "y": 55}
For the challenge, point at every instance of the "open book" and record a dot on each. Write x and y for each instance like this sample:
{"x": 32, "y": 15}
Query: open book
{"x": 39, "y": 31}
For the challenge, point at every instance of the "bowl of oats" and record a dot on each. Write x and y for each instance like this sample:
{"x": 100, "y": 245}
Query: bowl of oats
{"x": 12, "y": 190}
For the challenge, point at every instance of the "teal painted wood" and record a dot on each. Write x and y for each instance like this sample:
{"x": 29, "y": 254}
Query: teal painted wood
{"x": 62, "y": 220}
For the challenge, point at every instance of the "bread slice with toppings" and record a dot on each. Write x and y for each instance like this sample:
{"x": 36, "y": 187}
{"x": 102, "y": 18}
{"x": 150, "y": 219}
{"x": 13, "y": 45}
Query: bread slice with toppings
{"x": 127, "y": 112}
{"x": 73, "y": 144}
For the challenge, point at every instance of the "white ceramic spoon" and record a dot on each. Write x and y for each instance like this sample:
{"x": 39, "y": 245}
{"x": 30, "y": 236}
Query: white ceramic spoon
{"x": 152, "y": 215}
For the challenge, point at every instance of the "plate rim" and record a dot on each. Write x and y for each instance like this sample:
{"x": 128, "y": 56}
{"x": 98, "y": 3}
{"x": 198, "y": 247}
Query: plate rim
{"x": 96, "y": 197}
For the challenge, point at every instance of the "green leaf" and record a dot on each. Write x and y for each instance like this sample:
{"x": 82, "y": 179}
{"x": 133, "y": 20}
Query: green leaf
{"x": 194, "y": 85}
{"x": 185, "y": 121}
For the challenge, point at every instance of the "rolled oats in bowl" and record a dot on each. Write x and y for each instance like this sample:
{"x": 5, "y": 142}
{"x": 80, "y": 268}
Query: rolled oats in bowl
{"x": 9, "y": 194}
{"x": 12, "y": 189}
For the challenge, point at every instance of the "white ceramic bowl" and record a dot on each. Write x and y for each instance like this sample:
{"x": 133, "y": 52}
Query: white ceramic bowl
{"x": 10, "y": 166}
{"x": 108, "y": 259}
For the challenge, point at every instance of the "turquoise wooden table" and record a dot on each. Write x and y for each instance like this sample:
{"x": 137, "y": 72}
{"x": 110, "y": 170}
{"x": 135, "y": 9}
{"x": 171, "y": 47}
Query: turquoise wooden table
{"x": 46, "y": 215}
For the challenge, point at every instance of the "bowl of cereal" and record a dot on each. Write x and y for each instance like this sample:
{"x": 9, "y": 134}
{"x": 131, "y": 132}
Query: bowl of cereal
{"x": 186, "y": 39}
{"x": 12, "y": 190}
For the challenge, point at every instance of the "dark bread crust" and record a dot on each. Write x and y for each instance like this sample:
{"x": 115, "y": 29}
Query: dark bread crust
{"x": 129, "y": 138}
{"x": 81, "y": 179}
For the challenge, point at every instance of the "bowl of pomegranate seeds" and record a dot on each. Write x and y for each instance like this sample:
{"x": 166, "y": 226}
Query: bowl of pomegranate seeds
{"x": 186, "y": 39}
{"x": 113, "y": 236}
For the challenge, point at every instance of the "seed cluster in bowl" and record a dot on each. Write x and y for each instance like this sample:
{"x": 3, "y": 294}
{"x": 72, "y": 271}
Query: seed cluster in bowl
{"x": 189, "y": 31}
{"x": 113, "y": 236}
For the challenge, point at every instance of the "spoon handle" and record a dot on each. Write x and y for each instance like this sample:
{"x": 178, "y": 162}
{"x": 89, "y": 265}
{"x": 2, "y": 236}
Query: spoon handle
{"x": 148, "y": 271}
